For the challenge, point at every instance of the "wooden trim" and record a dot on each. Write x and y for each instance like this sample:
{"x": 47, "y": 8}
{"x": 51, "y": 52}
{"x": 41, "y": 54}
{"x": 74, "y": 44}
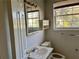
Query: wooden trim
{"x": 66, "y": 5}
{"x": 59, "y": 1}
{"x": 69, "y": 14}
{"x": 33, "y": 11}
{"x": 32, "y": 18}
{"x": 30, "y": 3}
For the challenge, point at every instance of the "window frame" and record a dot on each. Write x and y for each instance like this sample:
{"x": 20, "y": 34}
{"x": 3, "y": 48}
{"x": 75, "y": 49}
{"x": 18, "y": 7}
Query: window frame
{"x": 54, "y": 17}
{"x": 32, "y": 21}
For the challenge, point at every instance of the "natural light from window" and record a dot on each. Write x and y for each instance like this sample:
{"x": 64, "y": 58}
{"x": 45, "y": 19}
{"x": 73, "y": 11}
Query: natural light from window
{"x": 33, "y": 21}
{"x": 67, "y": 17}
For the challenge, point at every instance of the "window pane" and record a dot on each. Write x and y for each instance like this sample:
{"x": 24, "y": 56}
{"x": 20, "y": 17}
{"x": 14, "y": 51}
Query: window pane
{"x": 64, "y": 21}
{"x": 30, "y": 26}
{"x": 35, "y": 23}
{"x": 75, "y": 24}
{"x": 76, "y": 18}
{"x": 64, "y": 11}
{"x": 35, "y": 14}
{"x": 75, "y": 9}
{"x": 67, "y": 18}
{"x": 29, "y": 22}
{"x": 67, "y": 23}
{"x": 77, "y": 6}
{"x": 58, "y": 12}
{"x": 75, "y": 21}
{"x": 30, "y": 15}
{"x": 59, "y": 24}
{"x": 59, "y": 21}
{"x": 69, "y": 10}
{"x": 59, "y": 18}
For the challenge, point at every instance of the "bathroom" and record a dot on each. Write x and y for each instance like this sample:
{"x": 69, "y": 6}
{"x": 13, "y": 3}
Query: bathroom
{"x": 28, "y": 26}
{"x": 63, "y": 41}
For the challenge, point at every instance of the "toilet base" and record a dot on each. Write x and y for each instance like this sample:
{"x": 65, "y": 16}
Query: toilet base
{"x": 56, "y": 56}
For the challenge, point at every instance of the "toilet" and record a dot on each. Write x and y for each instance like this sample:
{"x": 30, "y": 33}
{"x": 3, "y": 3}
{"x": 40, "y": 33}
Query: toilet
{"x": 56, "y": 56}
{"x": 46, "y": 44}
{"x": 53, "y": 55}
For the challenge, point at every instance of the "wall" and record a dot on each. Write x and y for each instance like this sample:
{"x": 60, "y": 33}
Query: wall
{"x": 38, "y": 37}
{"x": 3, "y": 49}
{"x": 62, "y": 41}
{"x": 7, "y": 34}
{"x": 35, "y": 39}
{"x": 23, "y": 41}
{"x": 5, "y": 43}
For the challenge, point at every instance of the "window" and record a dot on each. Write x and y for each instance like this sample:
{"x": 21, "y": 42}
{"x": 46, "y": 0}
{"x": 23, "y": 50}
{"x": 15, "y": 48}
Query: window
{"x": 33, "y": 21}
{"x": 66, "y": 17}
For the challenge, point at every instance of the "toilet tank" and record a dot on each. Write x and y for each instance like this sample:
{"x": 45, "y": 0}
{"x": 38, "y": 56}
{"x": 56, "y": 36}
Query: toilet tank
{"x": 46, "y": 44}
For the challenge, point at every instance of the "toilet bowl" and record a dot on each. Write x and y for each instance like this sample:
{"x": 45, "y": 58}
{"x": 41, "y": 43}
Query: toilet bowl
{"x": 57, "y": 56}
{"x": 53, "y": 55}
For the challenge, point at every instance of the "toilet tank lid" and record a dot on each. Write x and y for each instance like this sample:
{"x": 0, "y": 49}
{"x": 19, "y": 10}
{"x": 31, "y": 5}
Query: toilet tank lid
{"x": 47, "y": 43}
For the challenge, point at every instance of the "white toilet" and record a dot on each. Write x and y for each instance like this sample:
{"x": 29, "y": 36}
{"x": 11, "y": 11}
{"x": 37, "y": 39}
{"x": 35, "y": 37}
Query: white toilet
{"x": 46, "y": 44}
{"x": 53, "y": 55}
{"x": 56, "y": 56}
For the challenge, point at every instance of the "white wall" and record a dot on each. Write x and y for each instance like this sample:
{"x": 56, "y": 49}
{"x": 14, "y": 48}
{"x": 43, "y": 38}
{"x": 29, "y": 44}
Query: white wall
{"x": 35, "y": 39}
{"x": 61, "y": 40}
{"x": 5, "y": 32}
{"x": 23, "y": 41}
{"x": 38, "y": 37}
{"x": 3, "y": 49}
{"x": 5, "y": 43}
